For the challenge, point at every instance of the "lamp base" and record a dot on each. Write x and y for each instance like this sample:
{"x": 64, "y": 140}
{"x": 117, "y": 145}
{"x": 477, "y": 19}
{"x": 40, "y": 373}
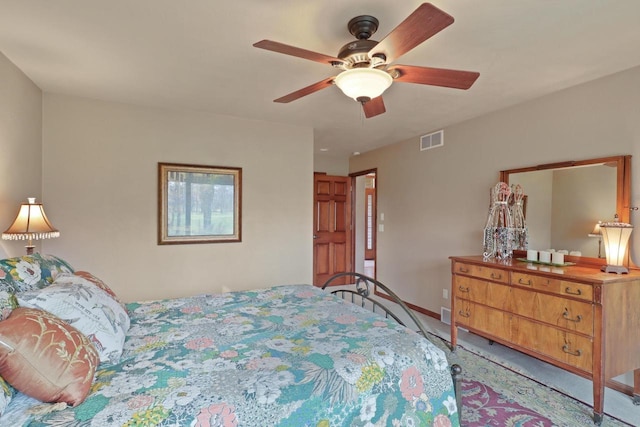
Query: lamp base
{"x": 29, "y": 249}
{"x": 619, "y": 269}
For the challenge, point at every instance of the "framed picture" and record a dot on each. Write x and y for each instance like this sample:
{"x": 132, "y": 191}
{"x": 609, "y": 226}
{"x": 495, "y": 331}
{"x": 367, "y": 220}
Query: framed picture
{"x": 198, "y": 204}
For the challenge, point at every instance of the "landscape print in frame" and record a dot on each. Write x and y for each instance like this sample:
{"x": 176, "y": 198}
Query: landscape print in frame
{"x": 199, "y": 204}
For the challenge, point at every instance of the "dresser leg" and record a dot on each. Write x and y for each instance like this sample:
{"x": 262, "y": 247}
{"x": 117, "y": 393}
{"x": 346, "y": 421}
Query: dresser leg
{"x": 597, "y": 418}
{"x": 636, "y": 387}
{"x": 598, "y": 395}
{"x": 454, "y": 336}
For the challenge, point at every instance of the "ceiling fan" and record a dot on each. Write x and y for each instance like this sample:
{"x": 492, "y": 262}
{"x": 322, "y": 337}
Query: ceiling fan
{"x": 366, "y": 64}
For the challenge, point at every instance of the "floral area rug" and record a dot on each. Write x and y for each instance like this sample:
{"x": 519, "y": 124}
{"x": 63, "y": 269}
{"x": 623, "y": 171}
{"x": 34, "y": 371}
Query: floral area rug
{"x": 493, "y": 395}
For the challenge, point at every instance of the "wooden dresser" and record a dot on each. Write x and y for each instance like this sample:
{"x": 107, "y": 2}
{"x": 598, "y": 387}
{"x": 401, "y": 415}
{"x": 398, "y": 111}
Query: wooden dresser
{"x": 574, "y": 317}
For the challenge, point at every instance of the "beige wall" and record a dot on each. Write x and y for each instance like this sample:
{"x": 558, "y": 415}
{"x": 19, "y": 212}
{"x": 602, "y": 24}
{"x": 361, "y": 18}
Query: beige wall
{"x": 331, "y": 164}
{"x": 100, "y": 181}
{"x": 20, "y": 147}
{"x": 435, "y": 202}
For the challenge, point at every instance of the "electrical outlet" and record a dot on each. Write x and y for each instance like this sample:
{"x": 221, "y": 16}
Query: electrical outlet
{"x": 445, "y": 293}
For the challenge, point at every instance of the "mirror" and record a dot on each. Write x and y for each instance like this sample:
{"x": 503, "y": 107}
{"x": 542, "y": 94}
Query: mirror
{"x": 565, "y": 201}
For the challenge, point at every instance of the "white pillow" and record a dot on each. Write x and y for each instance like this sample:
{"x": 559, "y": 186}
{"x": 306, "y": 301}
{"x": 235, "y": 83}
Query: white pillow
{"x": 87, "y": 308}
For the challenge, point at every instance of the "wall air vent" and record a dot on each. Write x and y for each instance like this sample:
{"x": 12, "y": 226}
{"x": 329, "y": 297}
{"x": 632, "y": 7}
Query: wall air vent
{"x": 432, "y": 140}
{"x": 445, "y": 315}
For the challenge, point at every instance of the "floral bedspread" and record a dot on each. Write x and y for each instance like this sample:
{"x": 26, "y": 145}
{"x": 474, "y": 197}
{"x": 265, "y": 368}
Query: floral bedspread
{"x": 284, "y": 356}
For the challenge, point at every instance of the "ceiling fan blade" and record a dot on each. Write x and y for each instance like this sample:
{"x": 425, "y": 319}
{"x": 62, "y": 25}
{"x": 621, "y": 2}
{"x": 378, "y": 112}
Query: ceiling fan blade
{"x": 296, "y": 51}
{"x": 373, "y": 107}
{"x": 306, "y": 91}
{"x": 423, "y": 23}
{"x": 434, "y": 76}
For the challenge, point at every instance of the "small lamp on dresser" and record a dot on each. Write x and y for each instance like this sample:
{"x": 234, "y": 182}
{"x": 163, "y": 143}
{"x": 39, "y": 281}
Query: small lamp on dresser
{"x": 615, "y": 236}
{"x": 30, "y": 224}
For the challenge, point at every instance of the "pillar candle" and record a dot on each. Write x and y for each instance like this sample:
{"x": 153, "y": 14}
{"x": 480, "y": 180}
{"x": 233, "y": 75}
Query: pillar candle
{"x": 557, "y": 258}
{"x": 545, "y": 256}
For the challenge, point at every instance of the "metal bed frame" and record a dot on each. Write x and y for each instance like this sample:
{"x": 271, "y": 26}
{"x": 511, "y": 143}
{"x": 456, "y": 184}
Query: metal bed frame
{"x": 363, "y": 295}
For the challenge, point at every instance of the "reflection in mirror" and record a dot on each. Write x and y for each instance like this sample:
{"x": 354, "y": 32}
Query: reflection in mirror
{"x": 566, "y": 200}
{"x": 565, "y": 204}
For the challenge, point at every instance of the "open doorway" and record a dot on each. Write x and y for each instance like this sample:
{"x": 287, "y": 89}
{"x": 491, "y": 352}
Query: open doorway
{"x": 364, "y": 219}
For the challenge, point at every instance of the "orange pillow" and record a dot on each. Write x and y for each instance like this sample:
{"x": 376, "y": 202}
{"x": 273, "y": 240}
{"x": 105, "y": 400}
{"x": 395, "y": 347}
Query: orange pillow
{"x": 46, "y": 358}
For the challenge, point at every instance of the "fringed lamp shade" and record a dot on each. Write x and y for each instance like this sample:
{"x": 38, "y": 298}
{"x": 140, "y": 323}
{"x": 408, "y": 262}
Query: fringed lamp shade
{"x": 615, "y": 236}
{"x": 30, "y": 224}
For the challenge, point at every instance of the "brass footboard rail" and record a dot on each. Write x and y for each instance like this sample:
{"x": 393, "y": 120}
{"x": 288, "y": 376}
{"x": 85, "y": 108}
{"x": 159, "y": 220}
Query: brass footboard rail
{"x": 362, "y": 286}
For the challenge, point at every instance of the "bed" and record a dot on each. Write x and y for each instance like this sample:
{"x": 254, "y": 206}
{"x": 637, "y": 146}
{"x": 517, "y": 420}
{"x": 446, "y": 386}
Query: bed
{"x": 292, "y": 355}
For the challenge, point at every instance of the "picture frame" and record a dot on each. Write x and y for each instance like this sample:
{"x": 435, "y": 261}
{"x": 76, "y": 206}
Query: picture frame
{"x": 199, "y": 204}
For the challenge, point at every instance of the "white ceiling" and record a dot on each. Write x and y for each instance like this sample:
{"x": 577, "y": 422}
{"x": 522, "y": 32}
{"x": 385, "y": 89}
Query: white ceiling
{"x": 198, "y": 54}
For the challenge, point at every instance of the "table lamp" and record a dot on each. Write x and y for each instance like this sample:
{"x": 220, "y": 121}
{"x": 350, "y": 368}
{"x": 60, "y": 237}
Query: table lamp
{"x": 30, "y": 224}
{"x": 615, "y": 236}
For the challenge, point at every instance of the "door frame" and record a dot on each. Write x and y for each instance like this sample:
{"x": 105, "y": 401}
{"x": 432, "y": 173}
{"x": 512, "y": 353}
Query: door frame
{"x": 353, "y": 177}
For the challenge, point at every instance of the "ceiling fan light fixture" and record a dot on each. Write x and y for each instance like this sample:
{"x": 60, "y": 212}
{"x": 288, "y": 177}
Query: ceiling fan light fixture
{"x": 363, "y": 83}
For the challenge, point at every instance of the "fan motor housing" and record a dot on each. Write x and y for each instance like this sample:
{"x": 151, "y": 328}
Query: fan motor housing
{"x": 355, "y": 52}
{"x": 363, "y": 26}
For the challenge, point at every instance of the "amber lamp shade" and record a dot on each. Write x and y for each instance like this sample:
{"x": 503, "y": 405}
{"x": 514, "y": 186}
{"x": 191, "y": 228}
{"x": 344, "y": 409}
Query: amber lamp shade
{"x": 615, "y": 236}
{"x": 30, "y": 224}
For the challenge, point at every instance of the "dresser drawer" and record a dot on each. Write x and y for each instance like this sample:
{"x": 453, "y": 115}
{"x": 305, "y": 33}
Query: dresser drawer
{"x": 482, "y": 318}
{"x": 556, "y": 286}
{"x": 560, "y": 345}
{"x": 483, "y": 272}
{"x": 481, "y": 291}
{"x": 565, "y": 313}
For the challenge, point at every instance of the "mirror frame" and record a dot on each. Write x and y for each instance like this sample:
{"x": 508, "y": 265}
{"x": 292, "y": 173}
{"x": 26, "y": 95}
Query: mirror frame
{"x": 623, "y": 190}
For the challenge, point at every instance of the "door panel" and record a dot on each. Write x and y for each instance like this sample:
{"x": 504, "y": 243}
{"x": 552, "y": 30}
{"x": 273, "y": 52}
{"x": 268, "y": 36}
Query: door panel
{"x": 322, "y": 254}
{"x": 340, "y": 188}
{"x": 331, "y": 227}
{"x": 340, "y": 257}
{"x": 340, "y": 216}
{"x": 323, "y": 214}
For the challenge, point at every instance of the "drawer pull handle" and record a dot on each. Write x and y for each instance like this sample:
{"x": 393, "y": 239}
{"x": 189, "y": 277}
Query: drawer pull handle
{"x": 495, "y": 276}
{"x": 461, "y": 289}
{"x": 577, "y": 319}
{"x": 567, "y": 350}
{"x": 570, "y": 292}
{"x": 464, "y": 313}
{"x": 528, "y": 282}
{"x": 463, "y": 269}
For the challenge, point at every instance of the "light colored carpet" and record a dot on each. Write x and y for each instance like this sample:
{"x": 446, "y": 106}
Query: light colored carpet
{"x": 496, "y": 396}
{"x": 617, "y": 404}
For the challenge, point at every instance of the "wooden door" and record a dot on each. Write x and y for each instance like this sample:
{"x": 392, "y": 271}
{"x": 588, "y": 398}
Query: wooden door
{"x": 331, "y": 227}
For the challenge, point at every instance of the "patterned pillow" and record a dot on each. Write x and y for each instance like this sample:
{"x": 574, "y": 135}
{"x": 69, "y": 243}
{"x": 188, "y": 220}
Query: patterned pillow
{"x": 87, "y": 308}
{"x": 46, "y": 358}
{"x": 52, "y": 265}
{"x": 6, "y": 394}
{"x": 30, "y": 272}
{"x": 86, "y": 277}
{"x": 8, "y": 302}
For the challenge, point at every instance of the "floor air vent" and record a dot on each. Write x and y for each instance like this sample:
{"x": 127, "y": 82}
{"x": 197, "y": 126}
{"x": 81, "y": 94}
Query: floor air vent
{"x": 432, "y": 140}
{"x": 445, "y": 315}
